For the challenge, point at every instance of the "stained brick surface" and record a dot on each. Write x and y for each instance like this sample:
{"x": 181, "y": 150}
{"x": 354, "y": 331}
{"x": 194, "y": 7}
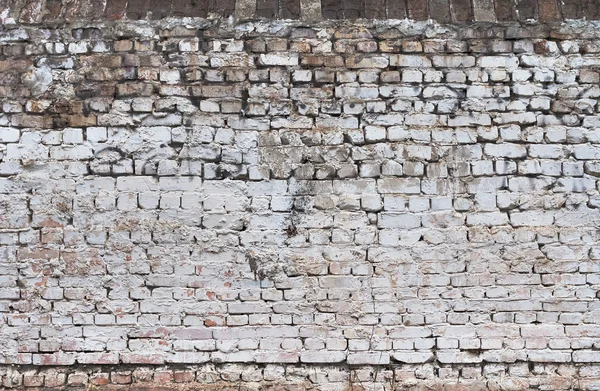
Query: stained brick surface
{"x": 457, "y": 11}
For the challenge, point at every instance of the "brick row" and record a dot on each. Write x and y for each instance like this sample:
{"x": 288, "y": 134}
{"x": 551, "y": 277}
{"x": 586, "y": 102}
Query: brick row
{"x": 444, "y": 11}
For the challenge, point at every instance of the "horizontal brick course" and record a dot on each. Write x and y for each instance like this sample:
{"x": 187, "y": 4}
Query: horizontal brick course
{"x": 443, "y": 11}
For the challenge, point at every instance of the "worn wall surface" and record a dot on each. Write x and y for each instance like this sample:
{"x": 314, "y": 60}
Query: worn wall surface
{"x": 323, "y": 204}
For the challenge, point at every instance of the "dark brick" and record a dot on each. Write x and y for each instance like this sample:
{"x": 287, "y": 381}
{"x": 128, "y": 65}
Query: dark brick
{"x": 193, "y": 8}
{"x": 396, "y": 9}
{"x": 417, "y": 9}
{"x": 592, "y": 9}
{"x": 504, "y": 10}
{"x": 159, "y": 9}
{"x": 71, "y": 11}
{"x": 549, "y": 10}
{"x": 115, "y": 9}
{"x": 267, "y": 9}
{"x": 375, "y": 9}
{"x": 221, "y": 7}
{"x": 439, "y": 10}
{"x": 137, "y": 9}
{"x": 95, "y": 11}
{"x": 462, "y": 11}
{"x": 290, "y": 9}
{"x": 331, "y": 9}
{"x": 572, "y": 9}
{"x": 53, "y": 10}
{"x": 526, "y": 9}
{"x": 353, "y": 9}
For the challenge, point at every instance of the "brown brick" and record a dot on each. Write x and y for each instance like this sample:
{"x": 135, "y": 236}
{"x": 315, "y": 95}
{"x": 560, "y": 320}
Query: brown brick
{"x": 134, "y": 89}
{"x": 120, "y": 377}
{"x": 375, "y": 9}
{"x": 396, "y": 9}
{"x": 94, "y": 11}
{"x": 14, "y": 65}
{"x": 549, "y": 10}
{"x": 31, "y": 11}
{"x": 79, "y": 120}
{"x": 123, "y": 45}
{"x": 312, "y": 60}
{"x": 331, "y": 9}
{"x": 159, "y": 9}
{"x": 462, "y": 11}
{"x": 526, "y": 9}
{"x": 33, "y": 380}
{"x": 439, "y": 10}
{"x": 31, "y": 121}
{"x": 290, "y": 9}
{"x": 115, "y": 9}
{"x": 221, "y": 91}
{"x": 267, "y": 9}
{"x": 55, "y": 380}
{"x": 100, "y": 379}
{"x": 99, "y": 60}
{"x": 572, "y": 9}
{"x": 592, "y": 9}
{"x": 137, "y": 9}
{"x": 504, "y": 10}
{"x": 183, "y": 376}
{"x": 53, "y": 10}
{"x": 417, "y": 9}
{"x": 353, "y": 9}
{"x": 221, "y": 7}
{"x": 71, "y": 10}
{"x": 191, "y": 8}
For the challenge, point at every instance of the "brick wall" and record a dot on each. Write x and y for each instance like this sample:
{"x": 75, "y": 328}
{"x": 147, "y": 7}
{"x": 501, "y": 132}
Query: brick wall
{"x": 443, "y": 11}
{"x": 297, "y": 204}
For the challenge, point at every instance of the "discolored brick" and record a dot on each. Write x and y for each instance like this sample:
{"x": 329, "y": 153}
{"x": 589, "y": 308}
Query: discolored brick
{"x": 417, "y": 9}
{"x": 439, "y": 10}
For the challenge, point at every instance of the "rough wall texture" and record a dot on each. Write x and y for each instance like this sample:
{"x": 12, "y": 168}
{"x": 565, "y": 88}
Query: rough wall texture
{"x": 283, "y": 203}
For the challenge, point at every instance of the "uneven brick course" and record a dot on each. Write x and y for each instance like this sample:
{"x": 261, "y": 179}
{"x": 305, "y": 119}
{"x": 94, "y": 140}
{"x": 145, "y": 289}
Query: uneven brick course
{"x": 372, "y": 204}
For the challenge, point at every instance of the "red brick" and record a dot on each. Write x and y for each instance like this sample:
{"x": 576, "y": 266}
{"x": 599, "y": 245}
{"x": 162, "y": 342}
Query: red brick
{"x": 100, "y": 379}
{"x": 55, "y": 380}
{"x": 163, "y": 377}
{"x": 184, "y": 376}
{"x": 115, "y": 9}
{"x": 77, "y": 379}
{"x": 120, "y": 377}
{"x": 142, "y": 358}
{"x": 53, "y": 10}
{"x": 36, "y": 380}
{"x": 504, "y": 10}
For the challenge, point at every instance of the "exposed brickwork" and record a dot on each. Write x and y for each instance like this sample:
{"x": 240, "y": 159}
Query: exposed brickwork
{"x": 443, "y": 11}
{"x": 276, "y": 377}
{"x": 363, "y": 194}
{"x": 288, "y": 205}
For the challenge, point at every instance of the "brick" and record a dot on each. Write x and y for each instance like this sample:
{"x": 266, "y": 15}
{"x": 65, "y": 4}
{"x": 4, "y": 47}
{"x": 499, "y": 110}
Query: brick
{"x": 439, "y": 10}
